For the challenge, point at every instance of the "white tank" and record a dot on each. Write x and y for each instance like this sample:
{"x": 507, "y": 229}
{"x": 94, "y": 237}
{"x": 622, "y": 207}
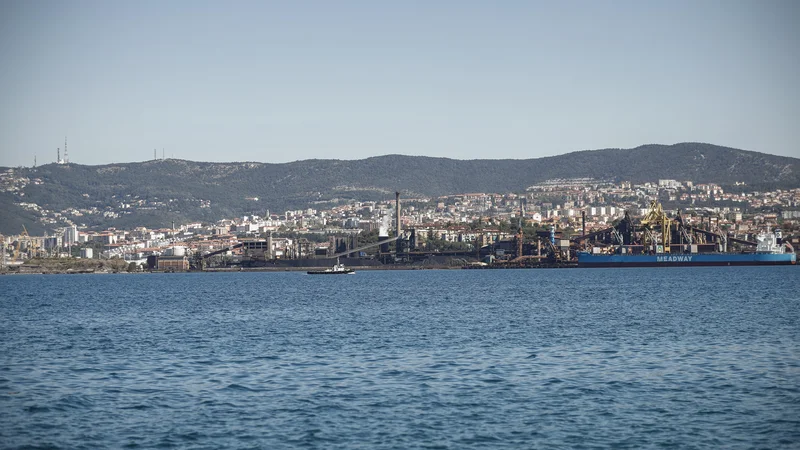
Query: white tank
{"x": 87, "y": 253}
{"x": 177, "y": 250}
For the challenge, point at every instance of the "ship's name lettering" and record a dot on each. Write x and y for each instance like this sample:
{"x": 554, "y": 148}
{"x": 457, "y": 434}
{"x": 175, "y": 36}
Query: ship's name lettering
{"x": 676, "y": 258}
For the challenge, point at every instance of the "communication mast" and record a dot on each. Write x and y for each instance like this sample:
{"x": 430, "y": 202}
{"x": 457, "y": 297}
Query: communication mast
{"x": 66, "y": 156}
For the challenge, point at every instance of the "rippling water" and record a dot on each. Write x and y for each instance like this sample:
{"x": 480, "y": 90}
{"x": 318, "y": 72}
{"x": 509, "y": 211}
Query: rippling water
{"x": 626, "y": 358}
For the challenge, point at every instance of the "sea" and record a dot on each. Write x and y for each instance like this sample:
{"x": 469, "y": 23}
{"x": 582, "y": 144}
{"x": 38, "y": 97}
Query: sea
{"x": 688, "y": 358}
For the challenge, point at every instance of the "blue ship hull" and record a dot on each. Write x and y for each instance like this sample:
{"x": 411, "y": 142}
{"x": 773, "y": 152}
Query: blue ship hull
{"x": 685, "y": 259}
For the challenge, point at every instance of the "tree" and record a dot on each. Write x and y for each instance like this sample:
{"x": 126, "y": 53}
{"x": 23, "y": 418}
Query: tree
{"x": 443, "y": 245}
{"x": 504, "y": 226}
{"x": 368, "y": 238}
{"x": 476, "y": 224}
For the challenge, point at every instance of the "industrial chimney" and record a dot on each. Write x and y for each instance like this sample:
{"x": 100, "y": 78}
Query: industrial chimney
{"x": 397, "y": 212}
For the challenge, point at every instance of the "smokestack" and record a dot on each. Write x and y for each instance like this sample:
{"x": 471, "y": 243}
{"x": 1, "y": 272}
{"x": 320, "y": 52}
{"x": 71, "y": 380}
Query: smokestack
{"x": 397, "y": 211}
{"x": 583, "y": 223}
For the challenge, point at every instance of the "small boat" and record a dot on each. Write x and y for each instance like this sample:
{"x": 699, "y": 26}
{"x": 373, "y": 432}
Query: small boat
{"x": 337, "y": 269}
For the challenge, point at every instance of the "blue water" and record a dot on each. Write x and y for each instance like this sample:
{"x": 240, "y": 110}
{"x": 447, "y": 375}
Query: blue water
{"x": 622, "y": 358}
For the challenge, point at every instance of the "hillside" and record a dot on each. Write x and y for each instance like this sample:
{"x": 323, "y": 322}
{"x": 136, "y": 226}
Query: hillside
{"x": 153, "y": 193}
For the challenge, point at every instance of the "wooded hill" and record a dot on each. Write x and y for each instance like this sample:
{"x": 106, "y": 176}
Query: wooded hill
{"x": 232, "y": 188}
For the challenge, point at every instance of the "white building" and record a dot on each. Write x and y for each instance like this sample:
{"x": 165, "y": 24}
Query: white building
{"x": 71, "y": 235}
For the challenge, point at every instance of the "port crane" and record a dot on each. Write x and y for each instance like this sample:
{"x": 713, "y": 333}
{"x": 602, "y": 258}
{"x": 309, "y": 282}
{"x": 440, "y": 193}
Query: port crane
{"x": 658, "y": 232}
{"x": 653, "y": 219}
{"x": 23, "y": 237}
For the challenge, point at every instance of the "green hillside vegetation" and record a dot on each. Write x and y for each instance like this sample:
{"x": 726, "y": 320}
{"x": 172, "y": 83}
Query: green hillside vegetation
{"x": 13, "y": 218}
{"x": 232, "y": 188}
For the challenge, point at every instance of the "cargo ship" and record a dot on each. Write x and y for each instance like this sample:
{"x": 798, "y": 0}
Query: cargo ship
{"x": 770, "y": 250}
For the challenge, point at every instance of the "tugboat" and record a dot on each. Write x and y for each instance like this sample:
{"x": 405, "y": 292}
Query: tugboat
{"x": 337, "y": 269}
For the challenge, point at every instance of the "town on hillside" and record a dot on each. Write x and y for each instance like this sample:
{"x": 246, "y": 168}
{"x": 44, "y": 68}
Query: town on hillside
{"x": 467, "y": 229}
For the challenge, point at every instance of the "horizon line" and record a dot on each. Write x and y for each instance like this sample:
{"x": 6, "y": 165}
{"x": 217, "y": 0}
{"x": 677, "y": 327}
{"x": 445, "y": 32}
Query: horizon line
{"x": 398, "y": 155}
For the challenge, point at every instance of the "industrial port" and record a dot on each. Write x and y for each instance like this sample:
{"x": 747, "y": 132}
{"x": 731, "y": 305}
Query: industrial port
{"x": 655, "y": 234}
{"x": 472, "y": 231}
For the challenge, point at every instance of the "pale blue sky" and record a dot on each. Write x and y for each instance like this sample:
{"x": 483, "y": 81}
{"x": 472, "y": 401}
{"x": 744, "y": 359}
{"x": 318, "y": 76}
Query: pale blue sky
{"x": 285, "y": 81}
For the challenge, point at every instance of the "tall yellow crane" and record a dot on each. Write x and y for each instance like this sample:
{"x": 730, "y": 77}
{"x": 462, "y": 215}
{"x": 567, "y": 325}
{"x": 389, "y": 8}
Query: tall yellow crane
{"x": 24, "y": 236}
{"x": 656, "y": 218}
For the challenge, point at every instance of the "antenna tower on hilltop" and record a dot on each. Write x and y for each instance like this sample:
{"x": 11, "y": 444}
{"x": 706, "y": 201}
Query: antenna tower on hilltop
{"x": 66, "y": 156}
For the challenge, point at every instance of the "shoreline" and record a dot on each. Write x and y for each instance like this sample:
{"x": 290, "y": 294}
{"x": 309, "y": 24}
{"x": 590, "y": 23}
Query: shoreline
{"x": 278, "y": 269}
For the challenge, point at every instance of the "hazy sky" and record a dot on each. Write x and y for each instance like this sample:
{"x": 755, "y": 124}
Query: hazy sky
{"x": 285, "y": 81}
